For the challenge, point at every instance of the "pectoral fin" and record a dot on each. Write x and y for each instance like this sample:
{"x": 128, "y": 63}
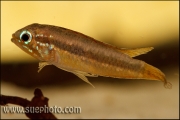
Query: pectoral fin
{"x": 41, "y": 65}
{"x": 83, "y": 77}
{"x": 80, "y": 74}
{"x": 136, "y": 51}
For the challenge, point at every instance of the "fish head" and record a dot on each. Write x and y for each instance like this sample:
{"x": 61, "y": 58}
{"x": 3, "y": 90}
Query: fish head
{"x": 33, "y": 40}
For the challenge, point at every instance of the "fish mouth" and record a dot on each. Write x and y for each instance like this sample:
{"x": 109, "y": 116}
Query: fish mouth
{"x": 13, "y": 38}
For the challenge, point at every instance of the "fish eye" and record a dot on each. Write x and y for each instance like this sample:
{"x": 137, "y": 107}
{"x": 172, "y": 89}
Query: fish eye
{"x": 26, "y": 36}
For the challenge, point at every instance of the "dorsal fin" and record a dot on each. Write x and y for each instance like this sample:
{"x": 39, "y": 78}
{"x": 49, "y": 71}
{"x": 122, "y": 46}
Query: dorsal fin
{"x": 136, "y": 51}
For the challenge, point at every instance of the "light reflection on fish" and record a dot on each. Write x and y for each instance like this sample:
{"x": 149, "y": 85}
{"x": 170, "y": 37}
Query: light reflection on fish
{"x": 82, "y": 55}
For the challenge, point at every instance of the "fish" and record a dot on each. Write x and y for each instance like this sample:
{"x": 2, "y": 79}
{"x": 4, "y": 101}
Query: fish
{"x": 84, "y": 56}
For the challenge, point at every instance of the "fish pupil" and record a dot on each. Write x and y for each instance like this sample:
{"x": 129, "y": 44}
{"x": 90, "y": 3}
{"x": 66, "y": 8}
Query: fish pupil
{"x": 25, "y": 37}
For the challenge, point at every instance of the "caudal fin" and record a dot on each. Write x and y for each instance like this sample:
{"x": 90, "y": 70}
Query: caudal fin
{"x": 153, "y": 73}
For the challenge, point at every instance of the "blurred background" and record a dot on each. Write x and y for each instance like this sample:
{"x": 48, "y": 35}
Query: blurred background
{"x": 125, "y": 24}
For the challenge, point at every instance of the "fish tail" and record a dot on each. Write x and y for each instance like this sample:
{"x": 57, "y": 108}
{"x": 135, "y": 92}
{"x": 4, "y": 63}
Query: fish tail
{"x": 153, "y": 73}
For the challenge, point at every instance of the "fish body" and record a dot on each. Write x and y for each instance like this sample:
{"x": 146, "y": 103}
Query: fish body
{"x": 82, "y": 55}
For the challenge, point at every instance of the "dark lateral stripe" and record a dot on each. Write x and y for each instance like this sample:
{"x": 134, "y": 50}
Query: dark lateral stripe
{"x": 99, "y": 57}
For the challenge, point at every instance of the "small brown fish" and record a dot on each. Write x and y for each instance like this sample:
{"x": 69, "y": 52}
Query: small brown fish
{"x": 82, "y": 55}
